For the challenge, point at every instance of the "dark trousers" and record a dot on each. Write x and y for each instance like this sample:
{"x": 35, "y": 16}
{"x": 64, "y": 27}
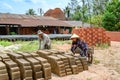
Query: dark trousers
{"x": 83, "y": 53}
{"x": 47, "y": 47}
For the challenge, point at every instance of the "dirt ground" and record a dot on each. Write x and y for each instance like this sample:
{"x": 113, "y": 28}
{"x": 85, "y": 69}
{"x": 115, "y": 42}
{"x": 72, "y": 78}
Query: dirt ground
{"x": 106, "y": 65}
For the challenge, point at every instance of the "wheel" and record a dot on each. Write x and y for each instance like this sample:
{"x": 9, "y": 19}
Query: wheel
{"x": 90, "y": 58}
{"x": 90, "y": 53}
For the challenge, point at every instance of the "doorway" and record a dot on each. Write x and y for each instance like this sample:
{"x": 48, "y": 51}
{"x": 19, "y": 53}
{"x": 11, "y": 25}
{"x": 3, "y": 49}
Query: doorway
{"x": 3, "y": 31}
{"x": 13, "y": 30}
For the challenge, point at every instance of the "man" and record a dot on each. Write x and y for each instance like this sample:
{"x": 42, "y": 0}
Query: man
{"x": 76, "y": 42}
{"x": 44, "y": 40}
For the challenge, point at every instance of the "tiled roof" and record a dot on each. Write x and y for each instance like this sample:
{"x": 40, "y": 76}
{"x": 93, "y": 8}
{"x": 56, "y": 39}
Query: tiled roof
{"x": 30, "y": 20}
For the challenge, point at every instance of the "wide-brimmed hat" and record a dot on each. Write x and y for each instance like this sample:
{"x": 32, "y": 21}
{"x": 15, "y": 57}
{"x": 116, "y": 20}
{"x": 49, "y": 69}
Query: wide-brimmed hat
{"x": 39, "y": 32}
{"x": 74, "y": 36}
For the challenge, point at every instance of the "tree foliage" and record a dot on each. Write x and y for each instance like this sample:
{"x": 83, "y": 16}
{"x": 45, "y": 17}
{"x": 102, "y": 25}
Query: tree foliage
{"x": 40, "y": 11}
{"x": 111, "y": 17}
{"x": 109, "y": 21}
{"x": 96, "y": 20}
{"x": 75, "y": 11}
{"x": 30, "y": 12}
{"x": 101, "y": 13}
{"x": 77, "y": 15}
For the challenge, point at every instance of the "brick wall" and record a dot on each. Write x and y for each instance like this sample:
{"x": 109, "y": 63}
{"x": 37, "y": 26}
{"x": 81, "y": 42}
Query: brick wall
{"x": 114, "y": 36}
{"x": 92, "y": 36}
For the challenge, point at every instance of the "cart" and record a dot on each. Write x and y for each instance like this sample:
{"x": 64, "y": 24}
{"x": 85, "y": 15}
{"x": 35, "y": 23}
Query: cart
{"x": 90, "y": 53}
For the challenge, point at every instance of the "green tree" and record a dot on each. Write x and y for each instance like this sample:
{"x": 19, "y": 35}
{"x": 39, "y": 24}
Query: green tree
{"x": 73, "y": 10}
{"x": 73, "y": 5}
{"x": 77, "y": 15}
{"x": 77, "y": 11}
{"x": 40, "y": 11}
{"x": 30, "y": 12}
{"x": 96, "y": 20}
{"x": 111, "y": 17}
{"x": 89, "y": 11}
{"x": 99, "y": 6}
{"x": 109, "y": 21}
{"x": 118, "y": 26}
{"x": 67, "y": 12}
{"x": 95, "y": 12}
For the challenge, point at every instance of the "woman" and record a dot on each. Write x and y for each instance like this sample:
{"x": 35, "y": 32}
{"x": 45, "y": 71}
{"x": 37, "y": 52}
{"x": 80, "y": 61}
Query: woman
{"x": 77, "y": 42}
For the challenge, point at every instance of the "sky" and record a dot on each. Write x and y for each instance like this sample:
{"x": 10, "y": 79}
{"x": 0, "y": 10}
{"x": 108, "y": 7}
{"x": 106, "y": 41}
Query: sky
{"x": 22, "y": 6}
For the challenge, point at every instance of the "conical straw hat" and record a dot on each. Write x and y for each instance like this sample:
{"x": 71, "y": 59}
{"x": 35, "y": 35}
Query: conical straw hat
{"x": 74, "y": 36}
{"x": 39, "y": 32}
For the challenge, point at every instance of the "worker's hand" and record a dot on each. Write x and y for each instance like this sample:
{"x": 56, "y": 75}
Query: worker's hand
{"x": 73, "y": 53}
{"x": 74, "y": 45}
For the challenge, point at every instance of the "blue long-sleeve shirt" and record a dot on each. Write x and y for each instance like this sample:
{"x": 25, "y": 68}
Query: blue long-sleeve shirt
{"x": 78, "y": 43}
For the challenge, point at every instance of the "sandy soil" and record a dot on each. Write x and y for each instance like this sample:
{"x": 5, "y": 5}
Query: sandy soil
{"x": 107, "y": 68}
{"x": 9, "y": 48}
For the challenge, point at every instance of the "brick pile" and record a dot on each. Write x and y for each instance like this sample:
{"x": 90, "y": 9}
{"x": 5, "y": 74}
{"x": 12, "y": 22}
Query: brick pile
{"x": 63, "y": 64}
{"x": 56, "y": 13}
{"x": 92, "y": 36}
{"x": 72, "y": 66}
{"x": 35, "y": 65}
{"x": 57, "y": 65}
{"x": 45, "y": 67}
{"x": 39, "y": 65}
{"x": 65, "y": 61}
{"x": 24, "y": 66}
{"x": 3, "y": 71}
{"x": 12, "y": 67}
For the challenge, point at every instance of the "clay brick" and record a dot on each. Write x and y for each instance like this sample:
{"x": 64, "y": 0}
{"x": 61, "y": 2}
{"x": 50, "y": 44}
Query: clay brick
{"x": 4, "y": 76}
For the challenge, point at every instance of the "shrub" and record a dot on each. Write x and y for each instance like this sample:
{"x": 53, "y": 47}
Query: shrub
{"x": 5, "y": 43}
{"x": 102, "y": 46}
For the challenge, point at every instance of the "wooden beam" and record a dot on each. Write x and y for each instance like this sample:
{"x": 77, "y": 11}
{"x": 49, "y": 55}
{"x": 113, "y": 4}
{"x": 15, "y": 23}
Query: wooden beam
{"x": 8, "y": 29}
{"x": 18, "y": 31}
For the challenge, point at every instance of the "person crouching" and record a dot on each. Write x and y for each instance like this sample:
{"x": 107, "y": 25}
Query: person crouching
{"x": 77, "y": 42}
{"x": 44, "y": 40}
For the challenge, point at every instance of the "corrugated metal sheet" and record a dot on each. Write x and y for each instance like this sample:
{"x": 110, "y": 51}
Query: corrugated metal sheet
{"x": 77, "y": 23}
{"x": 30, "y": 21}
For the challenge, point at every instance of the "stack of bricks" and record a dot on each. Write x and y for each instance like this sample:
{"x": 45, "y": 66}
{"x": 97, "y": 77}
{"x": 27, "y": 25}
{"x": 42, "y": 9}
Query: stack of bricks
{"x": 92, "y": 36}
{"x": 35, "y": 65}
{"x": 40, "y": 70}
{"x": 46, "y": 67}
{"x": 84, "y": 63}
{"x": 79, "y": 64}
{"x": 72, "y": 63}
{"x": 3, "y": 71}
{"x": 57, "y": 65}
{"x": 12, "y": 67}
{"x": 39, "y": 65}
{"x": 24, "y": 65}
{"x": 64, "y": 64}
{"x": 45, "y": 53}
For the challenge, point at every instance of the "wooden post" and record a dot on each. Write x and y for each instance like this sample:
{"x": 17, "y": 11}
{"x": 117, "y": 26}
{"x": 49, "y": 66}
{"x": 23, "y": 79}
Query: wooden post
{"x": 8, "y": 29}
{"x": 19, "y": 30}
{"x": 59, "y": 30}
